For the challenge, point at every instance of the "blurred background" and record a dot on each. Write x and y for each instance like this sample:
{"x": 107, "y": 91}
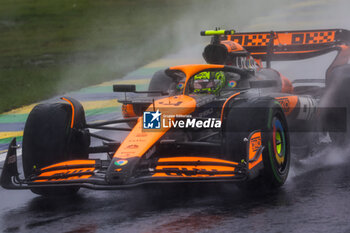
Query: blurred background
{"x": 52, "y": 47}
{"x": 48, "y": 48}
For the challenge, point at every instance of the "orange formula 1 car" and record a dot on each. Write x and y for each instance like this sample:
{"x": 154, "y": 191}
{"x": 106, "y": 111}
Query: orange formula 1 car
{"x": 231, "y": 120}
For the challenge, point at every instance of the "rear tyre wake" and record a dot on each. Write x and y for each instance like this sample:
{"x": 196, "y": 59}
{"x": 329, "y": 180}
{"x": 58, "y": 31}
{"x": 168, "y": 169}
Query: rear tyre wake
{"x": 337, "y": 121}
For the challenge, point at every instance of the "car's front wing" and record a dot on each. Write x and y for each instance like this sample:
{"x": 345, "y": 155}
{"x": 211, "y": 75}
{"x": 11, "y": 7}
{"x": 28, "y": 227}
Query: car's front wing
{"x": 93, "y": 174}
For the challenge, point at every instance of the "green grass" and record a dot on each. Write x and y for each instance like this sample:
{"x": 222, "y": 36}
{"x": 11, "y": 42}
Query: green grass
{"x": 51, "y": 47}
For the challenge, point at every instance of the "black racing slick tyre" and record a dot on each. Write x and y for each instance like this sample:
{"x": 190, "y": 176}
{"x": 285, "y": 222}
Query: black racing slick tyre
{"x": 266, "y": 115}
{"x": 48, "y": 138}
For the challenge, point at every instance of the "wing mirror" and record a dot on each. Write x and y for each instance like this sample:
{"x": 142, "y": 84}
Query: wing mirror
{"x": 124, "y": 88}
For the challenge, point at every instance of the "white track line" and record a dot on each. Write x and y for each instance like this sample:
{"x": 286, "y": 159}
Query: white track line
{"x": 2, "y": 157}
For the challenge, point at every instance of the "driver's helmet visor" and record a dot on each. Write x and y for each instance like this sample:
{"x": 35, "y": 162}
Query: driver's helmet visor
{"x": 208, "y": 82}
{"x": 201, "y": 84}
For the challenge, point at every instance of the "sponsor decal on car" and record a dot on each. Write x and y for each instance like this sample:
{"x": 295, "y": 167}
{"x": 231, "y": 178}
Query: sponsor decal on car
{"x": 132, "y": 146}
{"x": 121, "y": 162}
{"x": 141, "y": 135}
{"x": 232, "y": 83}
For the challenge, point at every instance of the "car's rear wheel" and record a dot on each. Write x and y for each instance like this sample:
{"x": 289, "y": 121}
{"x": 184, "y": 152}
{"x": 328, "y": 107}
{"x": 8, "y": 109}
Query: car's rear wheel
{"x": 48, "y": 138}
{"x": 267, "y": 116}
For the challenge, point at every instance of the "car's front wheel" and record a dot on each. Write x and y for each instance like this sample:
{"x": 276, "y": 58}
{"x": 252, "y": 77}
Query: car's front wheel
{"x": 48, "y": 138}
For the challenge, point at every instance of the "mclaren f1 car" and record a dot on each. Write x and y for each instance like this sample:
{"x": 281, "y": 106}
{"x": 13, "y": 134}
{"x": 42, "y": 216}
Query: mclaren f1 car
{"x": 230, "y": 120}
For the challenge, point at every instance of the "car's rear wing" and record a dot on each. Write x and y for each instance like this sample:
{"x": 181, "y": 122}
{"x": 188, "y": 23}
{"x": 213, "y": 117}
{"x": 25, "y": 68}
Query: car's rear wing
{"x": 227, "y": 45}
{"x": 290, "y": 45}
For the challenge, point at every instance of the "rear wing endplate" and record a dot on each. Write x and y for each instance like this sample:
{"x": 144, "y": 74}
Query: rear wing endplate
{"x": 290, "y": 45}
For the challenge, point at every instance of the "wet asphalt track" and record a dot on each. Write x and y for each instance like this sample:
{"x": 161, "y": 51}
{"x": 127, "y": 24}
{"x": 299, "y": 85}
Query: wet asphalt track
{"x": 314, "y": 199}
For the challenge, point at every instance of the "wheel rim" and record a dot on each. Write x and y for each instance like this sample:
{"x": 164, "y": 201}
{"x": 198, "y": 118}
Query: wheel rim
{"x": 279, "y": 143}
